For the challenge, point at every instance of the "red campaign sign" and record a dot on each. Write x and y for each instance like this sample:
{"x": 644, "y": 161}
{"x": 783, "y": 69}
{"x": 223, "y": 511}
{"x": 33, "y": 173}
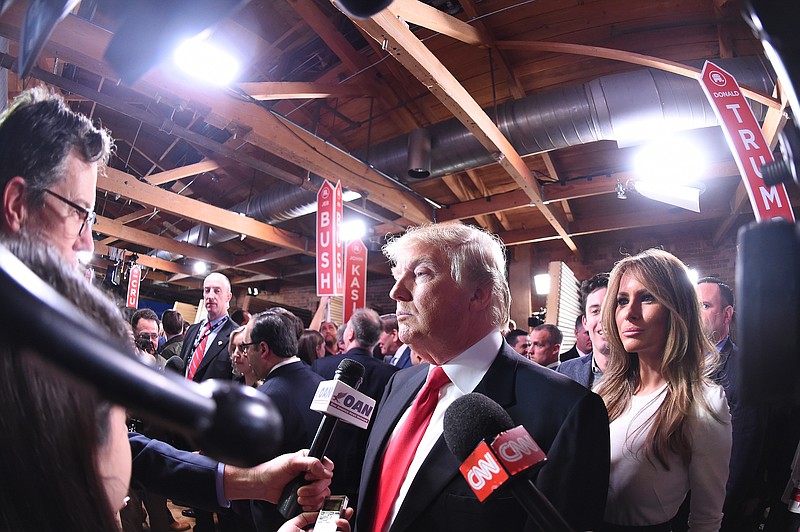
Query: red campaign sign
{"x": 483, "y": 471}
{"x": 517, "y": 451}
{"x": 134, "y": 280}
{"x": 329, "y": 243}
{"x": 747, "y": 142}
{"x": 355, "y": 278}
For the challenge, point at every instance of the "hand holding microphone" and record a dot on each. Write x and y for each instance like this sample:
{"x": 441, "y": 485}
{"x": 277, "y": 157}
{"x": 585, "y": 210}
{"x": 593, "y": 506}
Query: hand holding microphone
{"x": 337, "y": 399}
{"x": 495, "y": 454}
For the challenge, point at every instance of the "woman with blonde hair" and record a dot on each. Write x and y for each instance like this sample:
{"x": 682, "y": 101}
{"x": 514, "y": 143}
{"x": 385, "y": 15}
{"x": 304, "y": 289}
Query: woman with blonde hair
{"x": 670, "y": 426}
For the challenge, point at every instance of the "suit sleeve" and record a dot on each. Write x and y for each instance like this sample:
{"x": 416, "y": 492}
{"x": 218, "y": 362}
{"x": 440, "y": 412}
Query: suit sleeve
{"x": 575, "y": 478}
{"x": 164, "y": 470}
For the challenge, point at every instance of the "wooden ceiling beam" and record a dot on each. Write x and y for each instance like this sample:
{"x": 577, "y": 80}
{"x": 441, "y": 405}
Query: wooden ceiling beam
{"x": 168, "y": 176}
{"x": 82, "y": 43}
{"x": 417, "y": 59}
{"x": 117, "y": 182}
{"x": 154, "y": 263}
{"x": 429, "y": 17}
{"x": 627, "y": 57}
{"x": 273, "y": 90}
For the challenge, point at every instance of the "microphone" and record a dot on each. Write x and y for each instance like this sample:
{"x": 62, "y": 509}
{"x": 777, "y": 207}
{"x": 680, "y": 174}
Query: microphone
{"x": 232, "y": 423}
{"x": 176, "y": 364}
{"x": 336, "y": 399}
{"x": 481, "y": 434}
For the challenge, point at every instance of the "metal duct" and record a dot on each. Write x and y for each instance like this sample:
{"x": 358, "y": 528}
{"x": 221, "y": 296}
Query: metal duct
{"x": 627, "y": 107}
{"x": 279, "y": 203}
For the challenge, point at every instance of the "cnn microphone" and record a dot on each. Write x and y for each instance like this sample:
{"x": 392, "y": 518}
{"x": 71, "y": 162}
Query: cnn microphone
{"x": 337, "y": 399}
{"x": 494, "y": 454}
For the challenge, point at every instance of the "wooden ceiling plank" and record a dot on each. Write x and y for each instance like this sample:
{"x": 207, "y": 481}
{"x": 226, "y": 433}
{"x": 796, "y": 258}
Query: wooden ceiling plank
{"x": 154, "y": 263}
{"x": 429, "y": 17}
{"x": 628, "y": 57}
{"x": 125, "y": 185}
{"x": 82, "y": 43}
{"x": 273, "y": 90}
{"x": 415, "y": 57}
{"x": 482, "y": 189}
{"x": 168, "y": 176}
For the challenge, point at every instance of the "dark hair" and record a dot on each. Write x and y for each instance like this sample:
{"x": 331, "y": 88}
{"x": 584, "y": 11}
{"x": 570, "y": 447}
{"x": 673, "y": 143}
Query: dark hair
{"x": 592, "y": 284}
{"x": 578, "y": 321}
{"x": 240, "y": 316}
{"x": 172, "y": 321}
{"x": 724, "y": 290}
{"x": 297, "y": 323}
{"x": 389, "y": 322}
{"x": 52, "y": 426}
{"x": 307, "y": 347}
{"x": 513, "y": 335}
{"x": 554, "y": 334}
{"x": 37, "y": 133}
{"x": 367, "y": 327}
{"x": 277, "y": 330}
{"x": 143, "y": 314}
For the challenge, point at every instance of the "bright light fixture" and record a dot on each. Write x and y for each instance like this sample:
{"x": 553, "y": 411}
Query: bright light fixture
{"x": 670, "y": 161}
{"x": 693, "y": 275}
{"x": 203, "y": 60}
{"x": 85, "y": 257}
{"x": 350, "y": 195}
{"x": 542, "y": 283}
{"x": 352, "y": 230}
{"x": 199, "y": 267}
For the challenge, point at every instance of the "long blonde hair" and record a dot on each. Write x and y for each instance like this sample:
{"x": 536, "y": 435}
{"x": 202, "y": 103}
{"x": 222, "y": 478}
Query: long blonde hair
{"x": 685, "y": 364}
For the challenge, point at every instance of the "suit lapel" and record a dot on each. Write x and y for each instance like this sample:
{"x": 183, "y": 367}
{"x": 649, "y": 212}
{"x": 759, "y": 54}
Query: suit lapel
{"x": 220, "y": 343}
{"x": 441, "y": 467}
{"x": 390, "y": 411}
{"x": 191, "y": 336}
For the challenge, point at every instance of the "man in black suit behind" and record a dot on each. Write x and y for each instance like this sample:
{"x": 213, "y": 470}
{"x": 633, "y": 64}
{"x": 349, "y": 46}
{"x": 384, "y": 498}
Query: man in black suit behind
{"x": 270, "y": 343}
{"x": 452, "y": 298}
{"x": 349, "y": 443}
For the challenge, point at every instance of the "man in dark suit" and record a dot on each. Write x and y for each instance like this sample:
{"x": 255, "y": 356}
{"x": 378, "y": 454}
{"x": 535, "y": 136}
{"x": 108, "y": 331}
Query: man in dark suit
{"x": 271, "y": 346}
{"x": 586, "y": 370}
{"x": 205, "y": 344}
{"x": 452, "y": 298}
{"x": 583, "y": 344}
{"x": 748, "y": 421}
{"x": 392, "y": 349}
{"x": 349, "y": 443}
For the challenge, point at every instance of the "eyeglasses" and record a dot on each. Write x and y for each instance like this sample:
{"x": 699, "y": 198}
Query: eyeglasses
{"x": 148, "y": 336}
{"x": 244, "y": 345}
{"x": 89, "y": 216}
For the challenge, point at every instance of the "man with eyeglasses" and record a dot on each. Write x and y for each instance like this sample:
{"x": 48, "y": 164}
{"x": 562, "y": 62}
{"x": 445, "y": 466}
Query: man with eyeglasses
{"x": 145, "y": 325}
{"x": 49, "y": 157}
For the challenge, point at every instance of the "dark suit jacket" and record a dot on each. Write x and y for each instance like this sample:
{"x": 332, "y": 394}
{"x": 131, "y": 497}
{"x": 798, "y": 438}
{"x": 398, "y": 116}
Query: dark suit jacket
{"x": 405, "y": 359}
{"x": 580, "y": 370}
{"x": 569, "y": 355}
{"x": 161, "y": 469}
{"x": 567, "y": 421}
{"x": 349, "y": 443}
{"x": 291, "y": 388}
{"x": 748, "y": 422}
{"x": 216, "y": 363}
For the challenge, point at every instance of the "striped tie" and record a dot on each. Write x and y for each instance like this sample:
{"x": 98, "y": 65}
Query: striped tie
{"x": 197, "y": 356}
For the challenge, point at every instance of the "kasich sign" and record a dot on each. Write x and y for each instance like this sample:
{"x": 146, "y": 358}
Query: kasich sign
{"x": 747, "y": 142}
{"x": 355, "y": 278}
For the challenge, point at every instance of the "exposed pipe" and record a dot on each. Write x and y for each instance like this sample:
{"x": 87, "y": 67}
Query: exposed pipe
{"x": 623, "y": 107}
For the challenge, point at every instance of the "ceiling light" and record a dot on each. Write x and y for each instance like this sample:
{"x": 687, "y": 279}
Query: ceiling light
{"x": 352, "y": 230}
{"x": 620, "y": 189}
{"x": 681, "y": 196}
{"x": 199, "y": 267}
{"x": 542, "y": 283}
{"x": 670, "y": 160}
{"x": 204, "y": 60}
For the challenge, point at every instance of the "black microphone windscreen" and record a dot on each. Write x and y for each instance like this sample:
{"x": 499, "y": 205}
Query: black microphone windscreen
{"x": 176, "y": 364}
{"x": 470, "y": 419}
{"x": 350, "y": 372}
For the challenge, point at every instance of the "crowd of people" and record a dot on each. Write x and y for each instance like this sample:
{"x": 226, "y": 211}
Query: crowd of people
{"x": 640, "y": 420}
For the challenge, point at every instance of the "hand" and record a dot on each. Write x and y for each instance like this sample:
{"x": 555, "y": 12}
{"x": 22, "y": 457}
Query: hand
{"x": 266, "y": 481}
{"x": 304, "y": 520}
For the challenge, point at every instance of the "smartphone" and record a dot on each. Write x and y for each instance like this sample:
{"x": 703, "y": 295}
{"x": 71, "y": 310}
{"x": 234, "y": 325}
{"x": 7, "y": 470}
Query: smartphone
{"x": 332, "y": 509}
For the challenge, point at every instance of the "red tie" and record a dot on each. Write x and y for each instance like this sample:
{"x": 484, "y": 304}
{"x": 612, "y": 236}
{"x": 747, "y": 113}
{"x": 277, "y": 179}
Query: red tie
{"x": 197, "y": 356}
{"x": 402, "y": 448}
